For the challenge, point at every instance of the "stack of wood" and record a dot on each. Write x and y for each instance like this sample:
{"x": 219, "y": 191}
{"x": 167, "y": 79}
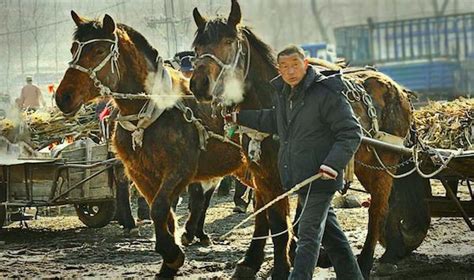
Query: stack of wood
{"x": 51, "y": 126}
{"x": 448, "y": 125}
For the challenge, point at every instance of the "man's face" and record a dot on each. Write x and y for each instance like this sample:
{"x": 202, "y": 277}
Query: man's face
{"x": 292, "y": 68}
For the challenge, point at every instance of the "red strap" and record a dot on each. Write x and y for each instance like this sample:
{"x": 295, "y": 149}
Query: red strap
{"x": 104, "y": 113}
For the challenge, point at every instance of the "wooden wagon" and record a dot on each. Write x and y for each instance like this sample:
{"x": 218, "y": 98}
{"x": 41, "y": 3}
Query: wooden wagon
{"x": 82, "y": 176}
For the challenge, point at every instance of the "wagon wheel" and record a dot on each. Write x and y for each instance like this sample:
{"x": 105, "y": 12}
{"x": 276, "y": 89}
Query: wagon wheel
{"x": 96, "y": 214}
{"x": 408, "y": 219}
{"x": 3, "y": 215}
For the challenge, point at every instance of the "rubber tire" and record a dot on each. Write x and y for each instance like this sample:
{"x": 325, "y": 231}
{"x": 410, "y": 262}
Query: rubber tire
{"x": 97, "y": 214}
{"x": 3, "y": 215}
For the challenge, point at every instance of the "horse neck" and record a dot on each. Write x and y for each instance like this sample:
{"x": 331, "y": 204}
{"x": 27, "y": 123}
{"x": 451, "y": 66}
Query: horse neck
{"x": 258, "y": 89}
{"x": 132, "y": 80}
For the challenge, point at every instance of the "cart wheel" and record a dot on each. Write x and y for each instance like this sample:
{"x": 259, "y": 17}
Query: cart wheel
{"x": 97, "y": 214}
{"x": 3, "y": 215}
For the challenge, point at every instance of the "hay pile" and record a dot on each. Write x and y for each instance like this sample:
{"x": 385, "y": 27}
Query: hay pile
{"x": 447, "y": 125}
{"x": 49, "y": 126}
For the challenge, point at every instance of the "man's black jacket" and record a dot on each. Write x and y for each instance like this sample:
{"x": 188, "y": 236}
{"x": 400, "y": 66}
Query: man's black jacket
{"x": 319, "y": 128}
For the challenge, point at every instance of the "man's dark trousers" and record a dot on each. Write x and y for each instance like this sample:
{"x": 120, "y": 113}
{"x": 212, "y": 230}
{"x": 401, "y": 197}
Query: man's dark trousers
{"x": 318, "y": 224}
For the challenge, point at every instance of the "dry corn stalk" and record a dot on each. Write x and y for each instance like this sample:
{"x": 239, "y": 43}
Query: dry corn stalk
{"x": 448, "y": 125}
{"x": 48, "y": 126}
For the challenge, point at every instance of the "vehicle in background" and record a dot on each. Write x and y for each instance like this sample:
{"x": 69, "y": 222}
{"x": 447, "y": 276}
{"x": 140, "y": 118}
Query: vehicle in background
{"x": 323, "y": 51}
{"x": 433, "y": 56}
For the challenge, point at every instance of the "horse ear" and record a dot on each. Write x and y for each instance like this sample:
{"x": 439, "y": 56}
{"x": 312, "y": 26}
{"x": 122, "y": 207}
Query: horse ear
{"x": 198, "y": 19}
{"x": 77, "y": 19}
{"x": 235, "y": 14}
{"x": 108, "y": 24}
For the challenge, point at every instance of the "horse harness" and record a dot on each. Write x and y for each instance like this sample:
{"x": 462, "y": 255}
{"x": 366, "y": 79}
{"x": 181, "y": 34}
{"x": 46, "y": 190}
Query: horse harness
{"x": 150, "y": 112}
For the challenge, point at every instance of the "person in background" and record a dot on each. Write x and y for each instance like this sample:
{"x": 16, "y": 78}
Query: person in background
{"x": 186, "y": 67}
{"x": 30, "y": 97}
{"x": 182, "y": 62}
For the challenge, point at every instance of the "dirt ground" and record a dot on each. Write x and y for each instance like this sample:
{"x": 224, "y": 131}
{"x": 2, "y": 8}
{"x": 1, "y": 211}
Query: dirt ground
{"x": 61, "y": 246}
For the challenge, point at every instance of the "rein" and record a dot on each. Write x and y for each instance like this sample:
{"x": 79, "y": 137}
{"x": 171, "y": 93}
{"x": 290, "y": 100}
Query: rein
{"x": 149, "y": 113}
{"x": 226, "y": 67}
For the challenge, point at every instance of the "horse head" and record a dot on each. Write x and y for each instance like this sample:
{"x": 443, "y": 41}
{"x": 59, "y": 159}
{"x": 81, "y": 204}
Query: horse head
{"x": 222, "y": 57}
{"x": 94, "y": 68}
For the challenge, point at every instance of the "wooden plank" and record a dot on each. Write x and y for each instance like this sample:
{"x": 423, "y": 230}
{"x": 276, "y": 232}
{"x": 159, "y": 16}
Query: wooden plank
{"x": 443, "y": 207}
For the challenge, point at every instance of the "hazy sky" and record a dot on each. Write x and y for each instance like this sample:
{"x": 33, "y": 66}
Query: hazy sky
{"x": 39, "y": 32}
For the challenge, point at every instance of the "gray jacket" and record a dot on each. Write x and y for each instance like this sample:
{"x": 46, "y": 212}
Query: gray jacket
{"x": 318, "y": 128}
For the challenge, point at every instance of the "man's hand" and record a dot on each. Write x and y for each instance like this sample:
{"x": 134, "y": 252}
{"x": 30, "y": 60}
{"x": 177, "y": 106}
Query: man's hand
{"x": 327, "y": 173}
{"x": 231, "y": 117}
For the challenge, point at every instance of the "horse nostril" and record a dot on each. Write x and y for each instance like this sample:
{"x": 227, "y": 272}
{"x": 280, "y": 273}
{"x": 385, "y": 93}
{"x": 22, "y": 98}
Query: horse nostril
{"x": 63, "y": 98}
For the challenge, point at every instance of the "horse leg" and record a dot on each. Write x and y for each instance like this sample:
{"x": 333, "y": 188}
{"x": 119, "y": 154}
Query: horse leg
{"x": 250, "y": 264}
{"x": 379, "y": 186}
{"x": 143, "y": 211}
{"x": 124, "y": 209}
{"x": 195, "y": 206}
{"x": 203, "y": 237}
{"x": 172, "y": 222}
{"x": 277, "y": 217}
{"x": 173, "y": 256}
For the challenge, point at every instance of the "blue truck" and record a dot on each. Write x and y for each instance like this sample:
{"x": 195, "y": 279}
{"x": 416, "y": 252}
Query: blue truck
{"x": 320, "y": 50}
{"x": 433, "y": 56}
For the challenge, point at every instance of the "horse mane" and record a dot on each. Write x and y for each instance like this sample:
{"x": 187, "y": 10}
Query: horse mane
{"x": 262, "y": 48}
{"x": 93, "y": 29}
{"x": 213, "y": 31}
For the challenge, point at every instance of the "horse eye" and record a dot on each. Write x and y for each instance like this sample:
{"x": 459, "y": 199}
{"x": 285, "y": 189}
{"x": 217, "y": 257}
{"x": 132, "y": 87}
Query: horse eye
{"x": 229, "y": 41}
{"x": 100, "y": 51}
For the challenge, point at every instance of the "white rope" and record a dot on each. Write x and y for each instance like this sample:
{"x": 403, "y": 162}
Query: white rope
{"x": 441, "y": 168}
{"x": 293, "y": 225}
{"x": 278, "y": 198}
{"x": 386, "y": 169}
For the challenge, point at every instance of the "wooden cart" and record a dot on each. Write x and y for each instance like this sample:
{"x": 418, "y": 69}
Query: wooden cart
{"x": 459, "y": 168}
{"x": 82, "y": 176}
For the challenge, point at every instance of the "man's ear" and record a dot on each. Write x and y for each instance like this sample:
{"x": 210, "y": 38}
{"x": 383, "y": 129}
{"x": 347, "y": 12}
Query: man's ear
{"x": 306, "y": 63}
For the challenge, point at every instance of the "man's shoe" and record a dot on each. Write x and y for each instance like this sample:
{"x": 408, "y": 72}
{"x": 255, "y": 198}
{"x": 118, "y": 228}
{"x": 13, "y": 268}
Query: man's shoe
{"x": 239, "y": 209}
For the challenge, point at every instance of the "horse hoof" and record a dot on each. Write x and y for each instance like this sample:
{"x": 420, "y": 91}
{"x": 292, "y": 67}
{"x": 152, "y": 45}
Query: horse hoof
{"x": 205, "y": 241}
{"x": 134, "y": 232}
{"x": 385, "y": 269}
{"x": 169, "y": 270}
{"x": 185, "y": 241}
{"x": 365, "y": 264}
{"x": 165, "y": 273}
{"x": 244, "y": 272}
{"x": 131, "y": 232}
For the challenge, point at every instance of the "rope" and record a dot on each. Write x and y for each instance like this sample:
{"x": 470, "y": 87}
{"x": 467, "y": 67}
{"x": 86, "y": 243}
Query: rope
{"x": 441, "y": 168}
{"x": 223, "y": 139}
{"x": 293, "y": 225}
{"x": 386, "y": 169}
{"x": 278, "y": 198}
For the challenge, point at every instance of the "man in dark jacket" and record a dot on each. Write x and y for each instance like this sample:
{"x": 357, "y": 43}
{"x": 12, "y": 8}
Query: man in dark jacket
{"x": 318, "y": 134}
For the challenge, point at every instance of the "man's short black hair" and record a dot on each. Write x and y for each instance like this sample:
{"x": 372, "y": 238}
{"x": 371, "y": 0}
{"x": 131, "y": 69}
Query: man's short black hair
{"x": 291, "y": 49}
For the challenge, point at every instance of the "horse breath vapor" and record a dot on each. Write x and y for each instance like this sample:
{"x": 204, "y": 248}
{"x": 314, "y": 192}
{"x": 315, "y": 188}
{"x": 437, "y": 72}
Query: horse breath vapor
{"x": 163, "y": 96}
{"x": 233, "y": 91}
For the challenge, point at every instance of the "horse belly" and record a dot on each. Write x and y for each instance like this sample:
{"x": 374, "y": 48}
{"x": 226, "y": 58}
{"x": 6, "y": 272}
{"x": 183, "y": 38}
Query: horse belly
{"x": 217, "y": 161}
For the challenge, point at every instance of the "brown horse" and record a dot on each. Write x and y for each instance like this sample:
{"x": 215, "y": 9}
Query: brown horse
{"x": 227, "y": 50}
{"x": 163, "y": 154}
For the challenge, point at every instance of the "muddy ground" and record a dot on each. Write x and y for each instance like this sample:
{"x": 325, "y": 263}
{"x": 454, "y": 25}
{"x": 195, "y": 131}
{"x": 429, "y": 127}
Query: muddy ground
{"x": 61, "y": 246}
